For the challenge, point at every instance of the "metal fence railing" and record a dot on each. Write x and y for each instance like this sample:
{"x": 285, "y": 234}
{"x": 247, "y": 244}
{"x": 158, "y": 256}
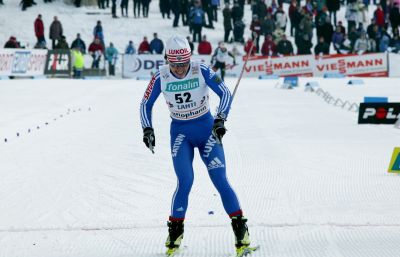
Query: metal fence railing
{"x": 344, "y": 104}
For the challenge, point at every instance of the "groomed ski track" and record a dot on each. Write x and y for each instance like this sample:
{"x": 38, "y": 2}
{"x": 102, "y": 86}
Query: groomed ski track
{"x": 310, "y": 180}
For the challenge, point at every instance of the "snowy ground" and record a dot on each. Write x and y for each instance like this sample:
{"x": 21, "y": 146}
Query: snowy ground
{"x": 310, "y": 180}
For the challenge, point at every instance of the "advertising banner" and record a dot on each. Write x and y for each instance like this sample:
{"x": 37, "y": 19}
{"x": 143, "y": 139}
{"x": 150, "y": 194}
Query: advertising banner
{"x": 141, "y": 65}
{"x": 394, "y": 65}
{"x": 144, "y": 65}
{"x": 21, "y": 62}
{"x": 394, "y": 165}
{"x": 299, "y": 65}
{"x": 366, "y": 65}
{"x": 378, "y": 113}
{"x": 58, "y": 62}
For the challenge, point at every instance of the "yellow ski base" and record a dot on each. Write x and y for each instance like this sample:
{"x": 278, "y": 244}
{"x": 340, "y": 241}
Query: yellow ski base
{"x": 172, "y": 251}
{"x": 246, "y": 250}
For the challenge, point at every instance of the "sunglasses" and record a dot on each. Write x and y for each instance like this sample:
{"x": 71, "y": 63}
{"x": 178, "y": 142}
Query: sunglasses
{"x": 183, "y": 64}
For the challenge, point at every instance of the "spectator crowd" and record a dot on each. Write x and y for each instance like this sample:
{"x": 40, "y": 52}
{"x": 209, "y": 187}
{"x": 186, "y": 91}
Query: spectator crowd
{"x": 312, "y": 25}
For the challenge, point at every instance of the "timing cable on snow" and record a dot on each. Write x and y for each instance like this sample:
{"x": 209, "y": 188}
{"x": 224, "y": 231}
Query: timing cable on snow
{"x": 69, "y": 111}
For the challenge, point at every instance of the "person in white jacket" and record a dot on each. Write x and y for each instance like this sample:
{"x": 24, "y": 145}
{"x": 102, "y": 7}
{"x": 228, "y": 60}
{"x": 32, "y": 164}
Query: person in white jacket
{"x": 351, "y": 15}
{"x": 362, "y": 44}
{"x": 281, "y": 19}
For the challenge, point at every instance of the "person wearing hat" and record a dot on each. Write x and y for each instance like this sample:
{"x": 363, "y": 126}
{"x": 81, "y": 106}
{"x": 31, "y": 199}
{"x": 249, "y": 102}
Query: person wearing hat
{"x": 185, "y": 85}
{"x": 220, "y": 57}
{"x": 12, "y": 43}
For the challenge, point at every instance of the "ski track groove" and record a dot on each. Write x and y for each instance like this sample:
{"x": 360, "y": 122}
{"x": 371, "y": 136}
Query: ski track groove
{"x": 262, "y": 225}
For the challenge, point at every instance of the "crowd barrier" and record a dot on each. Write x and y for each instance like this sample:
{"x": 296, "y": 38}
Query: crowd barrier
{"x": 21, "y": 62}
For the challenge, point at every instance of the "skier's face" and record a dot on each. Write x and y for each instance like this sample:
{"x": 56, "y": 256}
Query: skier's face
{"x": 179, "y": 69}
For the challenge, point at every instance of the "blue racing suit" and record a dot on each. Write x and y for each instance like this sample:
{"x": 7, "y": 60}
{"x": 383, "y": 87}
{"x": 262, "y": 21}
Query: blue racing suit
{"x": 191, "y": 126}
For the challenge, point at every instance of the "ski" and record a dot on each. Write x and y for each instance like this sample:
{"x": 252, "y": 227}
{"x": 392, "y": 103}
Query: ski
{"x": 246, "y": 250}
{"x": 172, "y": 251}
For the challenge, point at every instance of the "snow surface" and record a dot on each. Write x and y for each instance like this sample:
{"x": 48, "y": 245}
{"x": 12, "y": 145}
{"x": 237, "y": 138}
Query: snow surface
{"x": 310, "y": 180}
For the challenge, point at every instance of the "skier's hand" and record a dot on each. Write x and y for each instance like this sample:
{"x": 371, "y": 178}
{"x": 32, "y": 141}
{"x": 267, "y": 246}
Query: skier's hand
{"x": 149, "y": 138}
{"x": 218, "y": 130}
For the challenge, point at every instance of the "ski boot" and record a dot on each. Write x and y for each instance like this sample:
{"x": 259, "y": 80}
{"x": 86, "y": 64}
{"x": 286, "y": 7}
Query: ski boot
{"x": 242, "y": 239}
{"x": 175, "y": 236}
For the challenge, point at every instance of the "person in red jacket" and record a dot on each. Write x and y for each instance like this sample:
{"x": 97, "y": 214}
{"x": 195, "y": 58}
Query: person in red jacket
{"x": 204, "y": 46}
{"x": 96, "y": 50}
{"x": 379, "y": 16}
{"x": 250, "y": 45}
{"x": 144, "y": 47}
{"x": 269, "y": 47}
{"x": 39, "y": 29}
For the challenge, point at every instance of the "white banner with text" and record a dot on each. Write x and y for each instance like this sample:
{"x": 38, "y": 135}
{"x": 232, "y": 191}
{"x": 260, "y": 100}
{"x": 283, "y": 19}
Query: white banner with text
{"x": 21, "y": 62}
{"x": 367, "y": 65}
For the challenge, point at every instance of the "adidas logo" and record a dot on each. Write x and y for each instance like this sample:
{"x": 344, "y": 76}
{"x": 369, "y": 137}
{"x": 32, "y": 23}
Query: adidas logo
{"x": 215, "y": 163}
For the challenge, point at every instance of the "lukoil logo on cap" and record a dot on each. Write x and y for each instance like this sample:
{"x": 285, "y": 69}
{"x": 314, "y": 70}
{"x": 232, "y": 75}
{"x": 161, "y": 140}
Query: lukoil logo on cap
{"x": 178, "y": 51}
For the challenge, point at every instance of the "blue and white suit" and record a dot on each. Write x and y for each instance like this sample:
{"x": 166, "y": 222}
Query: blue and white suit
{"x": 191, "y": 126}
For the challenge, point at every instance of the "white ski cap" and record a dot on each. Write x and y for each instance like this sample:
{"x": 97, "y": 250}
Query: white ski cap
{"x": 178, "y": 50}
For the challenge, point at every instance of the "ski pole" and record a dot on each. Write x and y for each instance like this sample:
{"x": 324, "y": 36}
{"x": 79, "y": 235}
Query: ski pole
{"x": 151, "y": 147}
{"x": 217, "y": 139}
{"x": 244, "y": 65}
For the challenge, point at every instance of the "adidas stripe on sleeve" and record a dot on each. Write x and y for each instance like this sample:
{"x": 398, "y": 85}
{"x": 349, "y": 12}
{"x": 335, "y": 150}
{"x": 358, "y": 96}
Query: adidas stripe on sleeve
{"x": 219, "y": 87}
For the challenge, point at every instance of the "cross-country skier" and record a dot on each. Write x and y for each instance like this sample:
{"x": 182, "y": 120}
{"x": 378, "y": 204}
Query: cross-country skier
{"x": 220, "y": 57}
{"x": 185, "y": 85}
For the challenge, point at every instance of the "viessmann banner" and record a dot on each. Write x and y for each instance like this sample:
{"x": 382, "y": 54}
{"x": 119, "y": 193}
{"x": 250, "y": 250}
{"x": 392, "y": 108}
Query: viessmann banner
{"x": 21, "y": 62}
{"x": 297, "y": 65}
{"x": 367, "y": 65}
